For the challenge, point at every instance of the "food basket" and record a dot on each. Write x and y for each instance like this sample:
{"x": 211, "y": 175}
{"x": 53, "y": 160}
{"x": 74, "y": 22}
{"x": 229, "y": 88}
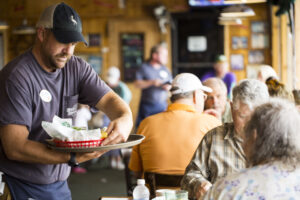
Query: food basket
{"x": 78, "y": 144}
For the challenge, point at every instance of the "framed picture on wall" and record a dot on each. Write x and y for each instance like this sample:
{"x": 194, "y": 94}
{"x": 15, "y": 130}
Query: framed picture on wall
{"x": 239, "y": 42}
{"x": 252, "y": 71}
{"x": 94, "y": 40}
{"x": 259, "y": 41}
{"x": 256, "y": 57}
{"x": 259, "y": 35}
{"x": 96, "y": 63}
{"x": 258, "y": 27}
{"x": 237, "y": 62}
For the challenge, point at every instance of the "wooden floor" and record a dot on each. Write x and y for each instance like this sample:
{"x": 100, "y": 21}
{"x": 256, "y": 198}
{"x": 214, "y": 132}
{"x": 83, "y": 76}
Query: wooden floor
{"x": 100, "y": 180}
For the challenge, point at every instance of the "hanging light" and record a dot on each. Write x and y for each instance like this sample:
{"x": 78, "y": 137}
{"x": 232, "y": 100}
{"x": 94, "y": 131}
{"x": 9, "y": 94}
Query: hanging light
{"x": 230, "y": 21}
{"x": 239, "y": 10}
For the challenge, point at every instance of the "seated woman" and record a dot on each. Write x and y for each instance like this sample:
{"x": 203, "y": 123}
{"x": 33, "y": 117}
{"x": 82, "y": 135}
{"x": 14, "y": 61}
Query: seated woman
{"x": 272, "y": 148}
{"x": 277, "y": 89}
{"x": 265, "y": 72}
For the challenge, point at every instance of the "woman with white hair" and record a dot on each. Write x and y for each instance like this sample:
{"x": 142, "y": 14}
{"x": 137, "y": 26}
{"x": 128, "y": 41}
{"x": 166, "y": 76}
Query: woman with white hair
{"x": 265, "y": 72}
{"x": 272, "y": 148}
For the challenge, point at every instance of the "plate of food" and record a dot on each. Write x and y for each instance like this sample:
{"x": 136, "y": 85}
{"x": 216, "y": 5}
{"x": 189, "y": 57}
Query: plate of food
{"x": 89, "y": 146}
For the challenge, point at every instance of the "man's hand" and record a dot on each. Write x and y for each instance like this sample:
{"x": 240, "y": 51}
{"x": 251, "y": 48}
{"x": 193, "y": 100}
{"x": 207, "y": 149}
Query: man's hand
{"x": 82, "y": 157}
{"x": 118, "y": 131}
{"x": 166, "y": 87}
{"x": 202, "y": 189}
{"x": 213, "y": 112}
{"x": 157, "y": 82}
{"x": 121, "y": 118}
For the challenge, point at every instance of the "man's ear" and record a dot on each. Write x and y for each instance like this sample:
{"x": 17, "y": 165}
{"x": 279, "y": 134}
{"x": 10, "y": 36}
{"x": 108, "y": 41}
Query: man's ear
{"x": 195, "y": 95}
{"x": 41, "y": 34}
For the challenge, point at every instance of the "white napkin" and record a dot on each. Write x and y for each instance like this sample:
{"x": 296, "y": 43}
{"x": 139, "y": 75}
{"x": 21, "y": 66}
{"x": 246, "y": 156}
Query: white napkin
{"x": 62, "y": 129}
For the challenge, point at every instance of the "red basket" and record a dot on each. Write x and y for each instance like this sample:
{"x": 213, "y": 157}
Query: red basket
{"x": 78, "y": 144}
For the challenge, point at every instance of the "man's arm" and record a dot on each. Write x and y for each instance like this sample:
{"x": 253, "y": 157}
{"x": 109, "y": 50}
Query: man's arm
{"x": 142, "y": 84}
{"x": 120, "y": 115}
{"x": 14, "y": 139}
{"x": 196, "y": 177}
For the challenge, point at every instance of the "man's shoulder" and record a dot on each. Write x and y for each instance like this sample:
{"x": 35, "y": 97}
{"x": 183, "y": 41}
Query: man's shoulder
{"x": 21, "y": 60}
{"x": 77, "y": 60}
{"x": 220, "y": 131}
{"x": 208, "y": 118}
{"x": 144, "y": 68}
{"x": 18, "y": 67}
{"x": 154, "y": 118}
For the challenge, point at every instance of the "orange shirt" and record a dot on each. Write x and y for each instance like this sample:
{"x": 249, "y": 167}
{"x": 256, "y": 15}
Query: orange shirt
{"x": 171, "y": 139}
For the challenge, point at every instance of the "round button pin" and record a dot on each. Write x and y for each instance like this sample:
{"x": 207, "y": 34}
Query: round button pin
{"x": 45, "y": 96}
{"x": 163, "y": 74}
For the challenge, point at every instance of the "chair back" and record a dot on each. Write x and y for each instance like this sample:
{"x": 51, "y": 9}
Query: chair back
{"x": 158, "y": 181}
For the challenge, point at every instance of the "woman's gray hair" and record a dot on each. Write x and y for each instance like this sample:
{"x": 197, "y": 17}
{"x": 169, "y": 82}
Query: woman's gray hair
{"x": 277, "y": 125}
{"x": 251, "y": 92}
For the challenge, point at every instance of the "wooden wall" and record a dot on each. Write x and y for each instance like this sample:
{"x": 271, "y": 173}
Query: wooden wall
{"x": 244, "y": 30}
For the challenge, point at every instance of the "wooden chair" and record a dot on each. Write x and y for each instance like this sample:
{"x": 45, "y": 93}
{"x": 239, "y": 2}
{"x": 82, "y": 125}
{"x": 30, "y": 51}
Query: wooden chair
{"x": 161, "y": 181}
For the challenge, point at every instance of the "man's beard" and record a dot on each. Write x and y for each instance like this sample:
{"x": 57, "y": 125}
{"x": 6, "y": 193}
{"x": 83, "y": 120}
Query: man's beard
{"x": 53, "y": 64}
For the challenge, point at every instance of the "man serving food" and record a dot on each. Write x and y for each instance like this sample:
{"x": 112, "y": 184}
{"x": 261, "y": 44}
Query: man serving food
{"x": 48, "y": 80}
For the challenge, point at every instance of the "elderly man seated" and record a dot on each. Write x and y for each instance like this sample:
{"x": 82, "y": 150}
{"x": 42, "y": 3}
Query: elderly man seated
{"x": 272, "y": 148}
{"x": 220, "y": 152}
{"x": 216, "y": 103}
{"x": 173, "y": 136}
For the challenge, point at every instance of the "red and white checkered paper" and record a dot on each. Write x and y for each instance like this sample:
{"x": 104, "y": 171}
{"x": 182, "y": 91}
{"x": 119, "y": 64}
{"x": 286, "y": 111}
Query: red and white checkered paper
{"x": 78, "y": 144}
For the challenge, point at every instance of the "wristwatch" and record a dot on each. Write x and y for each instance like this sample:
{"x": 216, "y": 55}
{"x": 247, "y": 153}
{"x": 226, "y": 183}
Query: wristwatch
{"x": 72, "y": 162}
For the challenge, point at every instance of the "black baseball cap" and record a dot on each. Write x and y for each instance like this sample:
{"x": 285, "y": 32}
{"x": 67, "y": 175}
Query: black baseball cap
{"x": 64, "y": 22}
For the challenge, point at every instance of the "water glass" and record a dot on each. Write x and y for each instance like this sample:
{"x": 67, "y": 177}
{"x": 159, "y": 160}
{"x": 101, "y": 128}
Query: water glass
{"x": 182, "y": 195}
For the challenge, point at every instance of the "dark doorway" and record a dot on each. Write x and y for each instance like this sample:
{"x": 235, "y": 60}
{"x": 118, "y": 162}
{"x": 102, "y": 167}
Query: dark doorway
{"x": 196, "y": 40}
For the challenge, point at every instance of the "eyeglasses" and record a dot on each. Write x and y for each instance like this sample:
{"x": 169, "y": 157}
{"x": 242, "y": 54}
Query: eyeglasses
{"x": 204, "y": 96}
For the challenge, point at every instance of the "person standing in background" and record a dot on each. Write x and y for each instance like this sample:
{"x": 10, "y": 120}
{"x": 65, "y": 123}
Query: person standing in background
{"x": 113, "y": 80}
{"x": 83, "y": 115}
{"x": 221, "y": 71}
{"x": 119, "y": 87}
{"x": 154, "y": 78}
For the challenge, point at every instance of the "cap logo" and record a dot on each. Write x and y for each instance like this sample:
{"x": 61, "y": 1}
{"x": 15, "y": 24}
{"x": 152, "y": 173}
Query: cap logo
{"x": 73, "y": 20}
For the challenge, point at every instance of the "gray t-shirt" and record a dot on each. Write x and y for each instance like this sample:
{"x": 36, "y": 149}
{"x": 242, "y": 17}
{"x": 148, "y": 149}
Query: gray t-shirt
{"x": 154, "y": 94}
{"x": 30, "y": 95}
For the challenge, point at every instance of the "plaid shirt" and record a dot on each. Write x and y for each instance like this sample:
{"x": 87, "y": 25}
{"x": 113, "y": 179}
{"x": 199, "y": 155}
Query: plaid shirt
{"x": 219, "y": 153}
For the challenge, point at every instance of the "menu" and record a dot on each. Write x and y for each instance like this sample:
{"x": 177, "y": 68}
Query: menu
{"x": 132, "y": 54}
